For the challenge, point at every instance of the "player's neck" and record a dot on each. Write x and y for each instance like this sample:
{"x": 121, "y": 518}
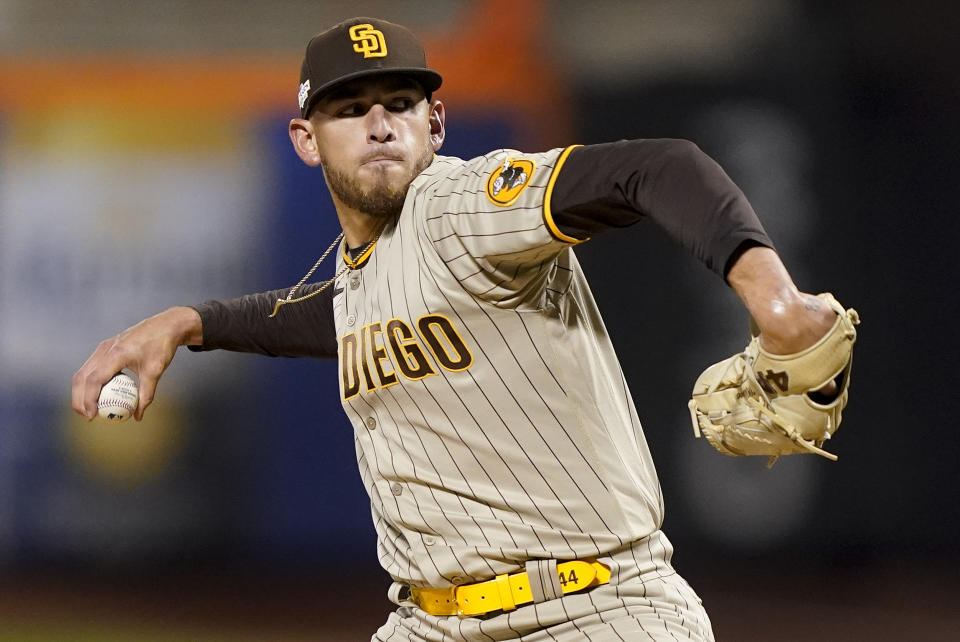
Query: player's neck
{"x": 359, "y": 228}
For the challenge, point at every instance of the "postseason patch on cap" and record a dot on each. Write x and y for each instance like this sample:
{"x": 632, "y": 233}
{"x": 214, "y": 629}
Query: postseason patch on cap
{"x": 304, "y": 92}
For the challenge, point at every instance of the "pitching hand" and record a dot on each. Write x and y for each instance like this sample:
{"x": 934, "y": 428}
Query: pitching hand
{"x": 146, "y": 348}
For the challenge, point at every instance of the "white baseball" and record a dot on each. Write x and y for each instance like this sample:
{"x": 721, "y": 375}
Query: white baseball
{"x": 118, "y": 398}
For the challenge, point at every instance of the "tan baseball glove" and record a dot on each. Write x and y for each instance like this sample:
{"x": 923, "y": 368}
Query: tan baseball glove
{"x": 757, "y": 403}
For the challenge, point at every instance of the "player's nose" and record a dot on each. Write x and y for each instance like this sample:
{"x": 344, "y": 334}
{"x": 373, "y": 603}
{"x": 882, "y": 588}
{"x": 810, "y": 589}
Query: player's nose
{"x": 379, "y": 125}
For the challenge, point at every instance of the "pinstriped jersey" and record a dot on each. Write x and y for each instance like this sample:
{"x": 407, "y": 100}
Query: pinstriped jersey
{"x": 492, "y": 421}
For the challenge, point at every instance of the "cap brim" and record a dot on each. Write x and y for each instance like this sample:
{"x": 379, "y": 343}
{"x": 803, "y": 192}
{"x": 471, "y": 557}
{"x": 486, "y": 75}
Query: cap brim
{"x": 430, "y": 80}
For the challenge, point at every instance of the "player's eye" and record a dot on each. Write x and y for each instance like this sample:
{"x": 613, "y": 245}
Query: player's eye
{"x": 402, "y": 103}
{"x": 351, "y": 109}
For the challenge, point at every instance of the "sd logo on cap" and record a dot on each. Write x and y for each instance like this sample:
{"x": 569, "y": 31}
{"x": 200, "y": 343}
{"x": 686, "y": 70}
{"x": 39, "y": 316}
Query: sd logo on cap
{"x": 369, "y": 41}
{"x": 361, "y": 47}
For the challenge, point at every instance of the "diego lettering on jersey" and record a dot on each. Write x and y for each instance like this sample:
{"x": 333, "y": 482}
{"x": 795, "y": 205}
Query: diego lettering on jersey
{"x": 379, "y": 354}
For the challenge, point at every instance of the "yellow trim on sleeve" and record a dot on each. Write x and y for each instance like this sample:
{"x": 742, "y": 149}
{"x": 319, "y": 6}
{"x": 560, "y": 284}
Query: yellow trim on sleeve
{"x": 547, "y": 214}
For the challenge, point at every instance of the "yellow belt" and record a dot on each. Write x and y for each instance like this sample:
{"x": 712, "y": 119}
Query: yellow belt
{"x": 505, "y": 592}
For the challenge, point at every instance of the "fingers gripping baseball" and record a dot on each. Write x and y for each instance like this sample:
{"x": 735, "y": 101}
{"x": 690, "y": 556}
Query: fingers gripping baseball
{"x": 137, "y": 348}
{"x": 146, "y": 348}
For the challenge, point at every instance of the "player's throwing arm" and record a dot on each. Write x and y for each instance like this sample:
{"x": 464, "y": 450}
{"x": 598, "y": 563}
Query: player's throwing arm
{"x": 146, "y": 349}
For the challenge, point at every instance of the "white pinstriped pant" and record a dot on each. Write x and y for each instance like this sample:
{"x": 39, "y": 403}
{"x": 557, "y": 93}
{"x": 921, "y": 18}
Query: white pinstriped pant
{"x": 645, "y": 600}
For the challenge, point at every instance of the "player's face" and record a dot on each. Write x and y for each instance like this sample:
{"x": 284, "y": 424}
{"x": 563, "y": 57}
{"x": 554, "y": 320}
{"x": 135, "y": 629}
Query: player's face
{"x": 373, "y": 137}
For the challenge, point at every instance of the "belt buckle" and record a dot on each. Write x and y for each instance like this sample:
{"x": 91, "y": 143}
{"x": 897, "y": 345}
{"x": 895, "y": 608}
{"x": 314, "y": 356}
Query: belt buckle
{"x": 436, "y": 601}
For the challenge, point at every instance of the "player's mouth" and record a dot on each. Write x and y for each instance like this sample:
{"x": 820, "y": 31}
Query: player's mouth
{"x": 381, "y": 159}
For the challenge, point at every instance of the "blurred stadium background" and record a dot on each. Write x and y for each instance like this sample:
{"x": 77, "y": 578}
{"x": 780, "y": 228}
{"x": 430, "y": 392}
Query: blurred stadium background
{"x": 144, "y": 162}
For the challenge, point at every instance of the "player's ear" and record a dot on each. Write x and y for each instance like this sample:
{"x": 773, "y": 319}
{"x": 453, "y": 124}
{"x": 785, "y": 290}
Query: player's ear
{"x": 438, "y": 119}
{"x": 304, "y": 141}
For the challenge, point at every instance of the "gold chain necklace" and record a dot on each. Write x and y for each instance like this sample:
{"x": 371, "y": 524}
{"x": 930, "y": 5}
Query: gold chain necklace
{"x": 350, "y": 265}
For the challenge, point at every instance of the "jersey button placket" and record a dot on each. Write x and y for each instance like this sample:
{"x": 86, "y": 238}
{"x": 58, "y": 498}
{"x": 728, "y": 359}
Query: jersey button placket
{"x": 351, "y": 319}
{"x": 396, "y": 488}
{"x": 371, "y": 423}
{"x": 354, "y": 281}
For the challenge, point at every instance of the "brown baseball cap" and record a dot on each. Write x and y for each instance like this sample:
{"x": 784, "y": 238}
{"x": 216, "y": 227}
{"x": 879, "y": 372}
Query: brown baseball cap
{"x": 357, "y": 48}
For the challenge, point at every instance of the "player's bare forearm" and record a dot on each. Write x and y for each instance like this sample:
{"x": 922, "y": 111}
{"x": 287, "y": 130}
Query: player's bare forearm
{"x": 789, "y": 320}
{"x": 147, "y": 348}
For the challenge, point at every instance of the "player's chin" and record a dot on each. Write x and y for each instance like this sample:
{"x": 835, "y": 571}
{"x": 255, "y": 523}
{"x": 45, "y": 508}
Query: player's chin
{"x": 370, "y": 174}
{"x": 380, "y": 171}
{"x": 387, "y": 179}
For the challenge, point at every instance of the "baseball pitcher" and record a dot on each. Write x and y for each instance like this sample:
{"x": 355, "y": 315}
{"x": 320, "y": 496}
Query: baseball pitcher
{"x": 511, "y": 486}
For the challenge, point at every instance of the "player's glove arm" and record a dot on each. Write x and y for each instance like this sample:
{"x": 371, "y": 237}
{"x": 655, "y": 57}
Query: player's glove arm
{"x": 669, "y": 181}
{"x": 243, "y": 325}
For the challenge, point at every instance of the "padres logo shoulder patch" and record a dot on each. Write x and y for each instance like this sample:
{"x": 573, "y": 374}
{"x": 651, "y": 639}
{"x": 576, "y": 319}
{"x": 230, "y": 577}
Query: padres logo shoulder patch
{"x": 507, "y": 181}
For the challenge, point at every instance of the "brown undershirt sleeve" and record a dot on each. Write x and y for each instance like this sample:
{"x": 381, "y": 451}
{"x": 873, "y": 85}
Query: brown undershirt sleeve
{"x": 669, "y": 181}
{"x": 303, "y": 329}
